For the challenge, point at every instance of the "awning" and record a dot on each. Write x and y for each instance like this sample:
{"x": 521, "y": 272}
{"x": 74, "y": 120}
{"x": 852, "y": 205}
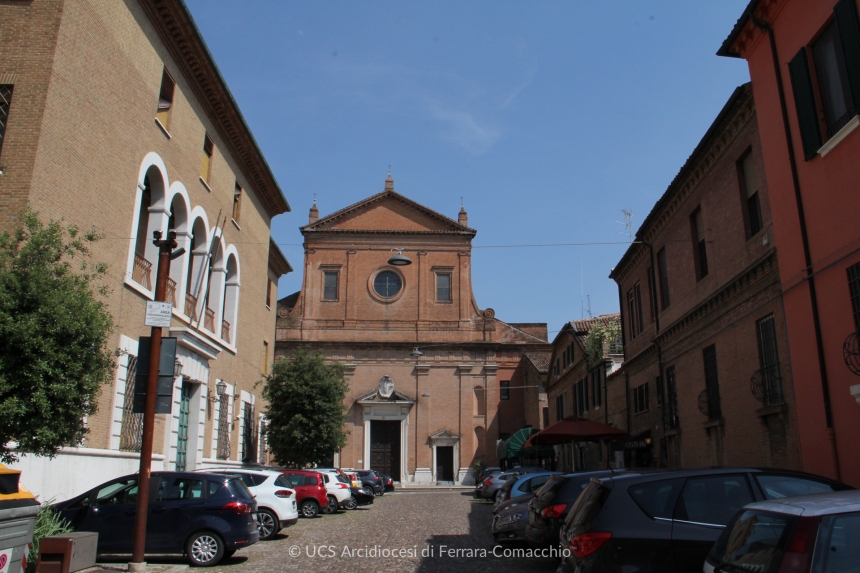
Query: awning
{"x": 516, "y": 443}
{"x": 574, "y": 429}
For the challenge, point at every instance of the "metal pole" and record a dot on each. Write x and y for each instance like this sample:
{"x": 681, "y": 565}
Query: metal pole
{"x": 162, "y": 274}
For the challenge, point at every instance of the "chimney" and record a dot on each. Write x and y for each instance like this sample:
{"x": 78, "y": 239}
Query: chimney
{"x": 463, "y": 218}
{"x": 314, "y": 215}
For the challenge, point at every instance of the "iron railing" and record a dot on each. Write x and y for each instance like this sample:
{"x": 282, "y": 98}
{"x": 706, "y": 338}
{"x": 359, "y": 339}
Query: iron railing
{"x": 766, "y": 386}
{"x": 190, "y": 306}
{"x": 249, "y": 447}
{"x": 171, "y": 291}
{"x": 131, "y": 432}
{"x": 209, "y": 320}
{"x": 141, "y": 271}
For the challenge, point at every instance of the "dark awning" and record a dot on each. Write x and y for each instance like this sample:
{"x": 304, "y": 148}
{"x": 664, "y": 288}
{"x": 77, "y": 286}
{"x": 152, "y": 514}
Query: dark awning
{"x": 575, "y": 429}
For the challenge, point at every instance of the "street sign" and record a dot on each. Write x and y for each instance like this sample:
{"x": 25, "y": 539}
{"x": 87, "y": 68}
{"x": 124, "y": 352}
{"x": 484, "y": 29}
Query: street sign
{"x": 158, "y": 314}
{"x": 164, "y": 394}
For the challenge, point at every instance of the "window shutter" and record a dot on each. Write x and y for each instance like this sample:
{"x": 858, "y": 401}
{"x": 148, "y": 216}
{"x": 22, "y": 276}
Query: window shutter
{"x": 849, "y": 36}
{"x": 804, "y": 101}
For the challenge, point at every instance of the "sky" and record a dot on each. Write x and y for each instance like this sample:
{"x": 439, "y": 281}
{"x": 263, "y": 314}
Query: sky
{"x": 547, "y": 118}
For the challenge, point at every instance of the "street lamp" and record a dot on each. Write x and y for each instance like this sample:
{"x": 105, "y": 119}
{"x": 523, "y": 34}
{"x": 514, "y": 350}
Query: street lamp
{"x": 220, "y": 390}
{"x": 399, "y": 260}
{"x": 177, "y": 369}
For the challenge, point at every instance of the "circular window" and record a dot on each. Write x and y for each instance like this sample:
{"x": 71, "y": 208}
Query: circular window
{"x": 387, "y": 284}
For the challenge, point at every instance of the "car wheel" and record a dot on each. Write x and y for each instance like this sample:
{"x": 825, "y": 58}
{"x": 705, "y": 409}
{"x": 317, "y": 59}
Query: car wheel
{"x": 204, "y": 549}
{"x": 351, "y": 503}
{"x": 268, "y": 525}
{"x": 332, "y": 505}
{"x": 310, "y": 508}
{"x": 377, "y": 493}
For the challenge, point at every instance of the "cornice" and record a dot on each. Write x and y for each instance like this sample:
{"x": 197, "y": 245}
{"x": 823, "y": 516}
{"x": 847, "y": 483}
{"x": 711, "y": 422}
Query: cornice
{"x": 175, "y": 26}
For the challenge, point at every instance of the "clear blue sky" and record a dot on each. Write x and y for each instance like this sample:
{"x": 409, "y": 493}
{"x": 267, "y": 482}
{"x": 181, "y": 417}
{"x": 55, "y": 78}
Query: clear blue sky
{"x": 549, "y": 118}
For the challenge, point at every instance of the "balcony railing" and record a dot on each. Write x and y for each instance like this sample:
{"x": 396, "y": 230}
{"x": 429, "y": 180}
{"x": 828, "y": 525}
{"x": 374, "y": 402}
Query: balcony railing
{"x": 225, "y": 331}
{"x": 141, "y": 271}
{"x": 209, "y": 320}
{"x": 171, "y": 291}
{"x": 766, "y": 386}
{"x": 190, "y": 306}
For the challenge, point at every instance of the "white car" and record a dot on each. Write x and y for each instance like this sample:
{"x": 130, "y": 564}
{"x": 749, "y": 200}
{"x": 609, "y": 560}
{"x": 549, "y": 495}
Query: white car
{"x": 276, "y": 499}
{"x": 336, "y": 487}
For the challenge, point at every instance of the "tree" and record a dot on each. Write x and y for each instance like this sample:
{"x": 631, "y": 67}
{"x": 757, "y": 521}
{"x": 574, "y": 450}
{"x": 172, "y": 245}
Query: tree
{"x": 305, "y": 415}
{"x": 599, "y": 337}
{"x": 54, "y": 328}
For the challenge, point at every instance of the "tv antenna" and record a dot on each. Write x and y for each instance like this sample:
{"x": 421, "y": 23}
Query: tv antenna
{"x": 628, "y": 224}
{"x": 589, "y": 305}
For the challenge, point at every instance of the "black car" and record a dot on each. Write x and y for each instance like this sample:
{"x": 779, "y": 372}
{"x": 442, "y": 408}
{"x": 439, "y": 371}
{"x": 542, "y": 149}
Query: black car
{"x": 371, "y": 479}
{"x": 669, "y": 521}
{"x": 205, "y": 516}
{"x": 360, "y": 496}
{"x": 387, "y": 482}
{"x": 552, "y": 503}
{"x": 510, "y": 520}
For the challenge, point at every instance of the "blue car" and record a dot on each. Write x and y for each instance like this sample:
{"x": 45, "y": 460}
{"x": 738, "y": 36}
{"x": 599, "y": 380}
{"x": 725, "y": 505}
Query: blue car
{"x": 205, "y": 516}
{"x": 522, "y": 485}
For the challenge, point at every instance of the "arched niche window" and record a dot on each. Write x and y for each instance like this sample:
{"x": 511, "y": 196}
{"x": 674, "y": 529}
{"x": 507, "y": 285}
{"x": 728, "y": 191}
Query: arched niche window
{"x": 229, "y": 311}
{"x": 195, "y": 277}
{"x": 214, "y": 288}
{"x": 151, "y": 216}
{"x": 177, "y": 221}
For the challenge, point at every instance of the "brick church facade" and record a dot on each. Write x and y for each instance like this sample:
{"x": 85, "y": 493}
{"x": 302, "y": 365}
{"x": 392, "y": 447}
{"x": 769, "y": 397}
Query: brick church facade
{"x": 421, "y": 416}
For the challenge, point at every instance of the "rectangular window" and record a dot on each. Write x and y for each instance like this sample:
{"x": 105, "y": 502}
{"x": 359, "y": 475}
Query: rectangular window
{"x": 631, "y": 314}
{"x": 832, "y": 80}
{"x": 237, "y": 202}
{"x": 854, "y": 288}
{"x": 443, "y": 287}
{"x": 712, "y": 387}
{"x": 749, "y": 195}
{"x": 580, "y": 397}
{"x": 663, "y": 273}
{"x": 768, "y": 355}
{"x": 637, "y": 295}
{"x": 330, "y": 279}
{"x": 640, "y": 399}
{"x": 269, "y": 289}
{"x": 504, "y": 390}
{"x": 206, "y": 165}
{"x": 165, "y": 99}
{"x": 264, "y": 362}
{"x": 700, "y": 253}
{"x": 652, "y": 293}
{"x": 5, "y": 100}
{"x": 596, "y": 394}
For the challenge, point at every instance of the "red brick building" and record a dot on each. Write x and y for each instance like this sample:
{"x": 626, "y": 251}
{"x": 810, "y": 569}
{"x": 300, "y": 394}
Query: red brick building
{"x": 420, "y": 418}
{"x": 804, "y": 60}
{"x": 706, "y": 369}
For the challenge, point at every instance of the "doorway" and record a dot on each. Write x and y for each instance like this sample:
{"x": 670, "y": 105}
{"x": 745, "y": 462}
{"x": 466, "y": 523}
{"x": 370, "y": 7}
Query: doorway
{"x": 444, "y": 464}
{"x": 385, "y": 447}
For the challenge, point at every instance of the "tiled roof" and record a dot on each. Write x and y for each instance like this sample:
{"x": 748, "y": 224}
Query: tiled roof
{"x": 587, "y": 324}
{"x": 540, "y": 360}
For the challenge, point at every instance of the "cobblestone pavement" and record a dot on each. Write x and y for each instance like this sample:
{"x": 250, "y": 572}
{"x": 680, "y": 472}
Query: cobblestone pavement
{"x": 430, "y": 528}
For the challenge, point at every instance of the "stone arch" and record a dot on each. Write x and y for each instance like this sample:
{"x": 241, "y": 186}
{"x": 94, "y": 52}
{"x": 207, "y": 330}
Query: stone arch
{"x": 150, "y": 214}
{"x": 230, "y": 306}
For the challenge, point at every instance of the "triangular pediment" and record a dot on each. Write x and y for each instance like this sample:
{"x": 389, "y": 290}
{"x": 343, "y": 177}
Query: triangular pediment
{"x": 445, "y": 435}
{"x": 387, "y": 212}
{"x": 396, "y": 397}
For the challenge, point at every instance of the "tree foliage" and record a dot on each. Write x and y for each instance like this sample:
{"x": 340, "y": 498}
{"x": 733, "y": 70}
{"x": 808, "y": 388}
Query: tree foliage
{"x": 54, "y": 327}
{"x": 599, "y": 336}
{"x": 305, "y": 413}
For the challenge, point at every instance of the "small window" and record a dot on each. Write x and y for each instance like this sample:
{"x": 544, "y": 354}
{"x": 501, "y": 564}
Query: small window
{"x": 637, "y": 295}
{"x": 656, "y": 498}
{"x": 713, "y": 499}
{"x": 5, "y": 100}
{"x": 165, "y": 99}
{"x": 179, "y": 489}
{"x": 700, "y": 253}
{"x": 504, "y": 390}
{"x": 749, "y": 189}
{"x": 559, "y": 408}
{"x": 663, "y": 272}
{"x": 443, "y": 287}
{"x": 631, "y": 314}
{"x": 596, "y": 394}
{"x": 640, "y": 399}
{"x": 237, "y": 201}
{"x": 283, "y": 481}
{"x": 712, "y": 386}
{"x": 545, "y": 416}
{"x": 206, "y": 165}
{"x": 832, "y": 80}
{"x": 330, "y": 279}
{"x": 270, "y": 288}
{"x": 264, "y": 363}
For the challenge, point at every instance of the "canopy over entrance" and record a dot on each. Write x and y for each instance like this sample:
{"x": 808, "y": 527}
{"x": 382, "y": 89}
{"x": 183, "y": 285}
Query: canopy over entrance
{"x": 574, "y": 429}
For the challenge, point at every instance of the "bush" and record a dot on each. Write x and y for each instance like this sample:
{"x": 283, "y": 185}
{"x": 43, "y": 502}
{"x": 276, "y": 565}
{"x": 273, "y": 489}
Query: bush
{"x": 48, "y": 523}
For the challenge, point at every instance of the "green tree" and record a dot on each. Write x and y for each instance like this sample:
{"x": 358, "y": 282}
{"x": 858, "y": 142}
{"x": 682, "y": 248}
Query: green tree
{"x": 305, "y": 415}
{"x": 54, "y": 328}
{"x": 599, "y": 337}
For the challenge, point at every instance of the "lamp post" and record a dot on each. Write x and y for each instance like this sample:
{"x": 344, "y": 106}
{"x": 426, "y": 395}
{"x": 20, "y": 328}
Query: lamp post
{"x": 165, "y": 255}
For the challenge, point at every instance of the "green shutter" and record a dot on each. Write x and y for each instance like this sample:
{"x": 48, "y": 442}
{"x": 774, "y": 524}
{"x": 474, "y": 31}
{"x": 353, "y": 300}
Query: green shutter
{"x": 849, "y": 36}
{"x": 804, "y": 101}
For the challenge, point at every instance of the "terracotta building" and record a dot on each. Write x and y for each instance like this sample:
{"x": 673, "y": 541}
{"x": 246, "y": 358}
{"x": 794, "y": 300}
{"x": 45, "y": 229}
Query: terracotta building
{"x": 535, "y": 374}
{"x": 576, "y": 386}
{"x": 115, "y": 118}
{"x": 804, "y": 60}
{"x": 706, "y": 357}
{"x": 423, "y": 418}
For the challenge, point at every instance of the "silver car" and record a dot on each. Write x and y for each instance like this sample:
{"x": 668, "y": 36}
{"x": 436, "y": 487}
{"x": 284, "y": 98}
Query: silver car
{"x": 492, "y": 484}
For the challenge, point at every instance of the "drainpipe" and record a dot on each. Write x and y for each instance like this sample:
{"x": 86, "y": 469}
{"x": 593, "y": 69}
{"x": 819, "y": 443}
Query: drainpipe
{"x": 816, "y": 321}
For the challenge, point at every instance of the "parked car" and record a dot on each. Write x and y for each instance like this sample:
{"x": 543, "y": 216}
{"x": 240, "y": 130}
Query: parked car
{"x": 485, "y": 473}
{"x": 276, "y": 501}
{"x": 361, "y": 494}
{"x": 205, "y": 516}
{"x": 371, "y": 479}
{"x": 669, "y": 521}
{"x": 509, "y": 523}
{"x": 337, "y": 490}
{"x": 522, "y": 485}
{"x": 819, "y": 532}
{"x": 491, "y": 485}
{"x": 310, "y": 490}
{"x": 552, "y": 503}
{"x": 387, "y": 483}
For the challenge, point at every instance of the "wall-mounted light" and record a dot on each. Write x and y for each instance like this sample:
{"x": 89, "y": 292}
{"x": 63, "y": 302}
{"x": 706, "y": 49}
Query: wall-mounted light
{"x": 220, "y": 391}
{"x": 177, "y": 369}
{"x": 416, "y": 353}
{"x": 399, "y": 260}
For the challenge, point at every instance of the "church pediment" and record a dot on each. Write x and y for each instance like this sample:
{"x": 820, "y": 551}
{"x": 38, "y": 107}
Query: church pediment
{"x": 388, "y": 212}
{"x": 445, "y": 435}
{"x": 385, "y": 394}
